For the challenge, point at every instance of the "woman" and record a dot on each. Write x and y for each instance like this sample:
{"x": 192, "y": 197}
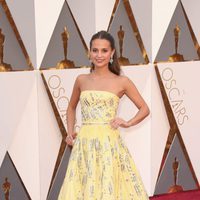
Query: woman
{"x": 100, "y": 165}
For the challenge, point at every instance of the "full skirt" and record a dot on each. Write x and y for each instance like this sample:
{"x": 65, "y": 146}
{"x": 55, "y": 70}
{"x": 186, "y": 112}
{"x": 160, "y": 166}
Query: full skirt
{"x": 101, "y": 168}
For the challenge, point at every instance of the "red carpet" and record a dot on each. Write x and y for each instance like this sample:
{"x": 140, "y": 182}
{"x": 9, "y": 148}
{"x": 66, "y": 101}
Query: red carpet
{"x": 187, "y": 195}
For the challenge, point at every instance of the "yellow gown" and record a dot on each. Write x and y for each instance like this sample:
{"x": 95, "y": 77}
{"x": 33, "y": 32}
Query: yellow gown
{"x": 100, "y": 165}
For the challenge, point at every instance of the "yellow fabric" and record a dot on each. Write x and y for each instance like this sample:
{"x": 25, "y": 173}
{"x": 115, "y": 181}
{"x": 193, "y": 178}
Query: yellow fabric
{"x": 100, "y": 165}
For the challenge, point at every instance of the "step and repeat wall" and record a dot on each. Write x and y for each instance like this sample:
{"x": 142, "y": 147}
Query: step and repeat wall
{"x": 44, "y": 46}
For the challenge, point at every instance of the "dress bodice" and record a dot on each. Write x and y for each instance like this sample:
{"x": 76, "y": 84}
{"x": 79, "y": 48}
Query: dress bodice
{"x": 98, "y": 106}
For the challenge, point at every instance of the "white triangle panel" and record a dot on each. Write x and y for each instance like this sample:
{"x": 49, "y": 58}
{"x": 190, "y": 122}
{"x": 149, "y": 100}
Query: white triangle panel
{"x": 105, "y": 7}
{"x": 162, "y": 12}
{"x": 24, "y": 149}
{"x": 49, "y": 138}
{"x": 46, "y": 16}
{"x": 159, "y": 130}
{"x": 13, "y": 100}
{"x": 84, "y": 14}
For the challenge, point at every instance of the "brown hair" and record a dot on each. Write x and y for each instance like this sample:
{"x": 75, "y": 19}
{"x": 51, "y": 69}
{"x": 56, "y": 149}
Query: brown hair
{"x": 114, "y": 66}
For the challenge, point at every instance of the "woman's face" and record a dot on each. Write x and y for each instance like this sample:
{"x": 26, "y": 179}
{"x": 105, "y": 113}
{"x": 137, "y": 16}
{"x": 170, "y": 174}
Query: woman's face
{"x": 101, "y": 52}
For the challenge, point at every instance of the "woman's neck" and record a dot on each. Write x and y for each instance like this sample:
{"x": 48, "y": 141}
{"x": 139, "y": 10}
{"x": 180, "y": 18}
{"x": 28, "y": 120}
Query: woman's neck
{"x": 101, "y": 71}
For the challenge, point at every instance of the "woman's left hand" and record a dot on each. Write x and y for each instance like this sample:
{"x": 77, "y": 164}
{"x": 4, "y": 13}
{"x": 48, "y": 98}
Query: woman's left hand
{"x": 119, "y": 122}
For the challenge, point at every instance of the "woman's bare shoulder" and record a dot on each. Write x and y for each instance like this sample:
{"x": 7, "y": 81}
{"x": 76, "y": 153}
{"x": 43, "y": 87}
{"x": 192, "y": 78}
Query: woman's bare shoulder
{"x": 125, "y": 82}
{"x": 123, "y": 79}
{"x": 82, "y": 77}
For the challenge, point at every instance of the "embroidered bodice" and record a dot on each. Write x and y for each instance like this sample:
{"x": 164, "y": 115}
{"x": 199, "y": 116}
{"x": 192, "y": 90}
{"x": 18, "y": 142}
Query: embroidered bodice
{"x": 98, "y": 106}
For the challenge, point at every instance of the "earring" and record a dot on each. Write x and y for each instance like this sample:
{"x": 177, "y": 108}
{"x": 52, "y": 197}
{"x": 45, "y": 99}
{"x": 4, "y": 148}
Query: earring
{"x": 90, "y": 61}
{"x": 111, "y": 60}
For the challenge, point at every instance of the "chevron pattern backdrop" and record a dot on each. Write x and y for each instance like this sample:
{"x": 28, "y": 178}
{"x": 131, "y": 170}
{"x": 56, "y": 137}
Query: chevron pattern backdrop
{"x": 34, "y": 93}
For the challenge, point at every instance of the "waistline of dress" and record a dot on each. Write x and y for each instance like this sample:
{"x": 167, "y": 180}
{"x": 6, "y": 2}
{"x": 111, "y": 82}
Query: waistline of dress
{"x": 95, "y": 123}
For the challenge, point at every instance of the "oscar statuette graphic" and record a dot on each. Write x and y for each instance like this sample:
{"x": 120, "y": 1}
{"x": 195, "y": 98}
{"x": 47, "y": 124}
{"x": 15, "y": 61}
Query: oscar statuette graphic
{"x": 175, "y": 187}
{"x": 176, "y": 57}
{"x": 6, "y": 188}
{"x": 3, "y": 66}
{"x": 64, "y": 64}
{"x": 122, "y": 60}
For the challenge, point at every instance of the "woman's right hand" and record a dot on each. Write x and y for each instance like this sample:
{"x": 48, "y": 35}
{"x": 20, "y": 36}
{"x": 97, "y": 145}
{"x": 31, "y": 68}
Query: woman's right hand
{"x": 70, "y": 139}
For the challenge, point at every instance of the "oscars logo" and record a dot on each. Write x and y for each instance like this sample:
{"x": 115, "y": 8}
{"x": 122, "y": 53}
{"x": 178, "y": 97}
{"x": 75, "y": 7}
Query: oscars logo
{"x": 58, "y": 94}
{"x": 175, "y": 95}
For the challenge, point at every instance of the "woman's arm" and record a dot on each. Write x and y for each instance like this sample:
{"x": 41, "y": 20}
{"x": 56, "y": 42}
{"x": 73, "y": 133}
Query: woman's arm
{"x": 134, "y": 95}
{"x": 71, "y": 111}
{"x": 143, "y": 111}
